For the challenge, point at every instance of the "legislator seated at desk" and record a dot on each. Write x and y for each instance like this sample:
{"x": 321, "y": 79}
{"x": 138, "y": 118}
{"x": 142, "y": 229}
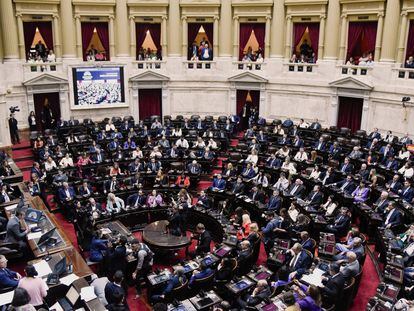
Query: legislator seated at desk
{"x": 356, "y": 247}
{"x": 204, "y": 272}
{"x": 17, "y": 231}
{"x": 382, "y": 203}
{"x": 407, "y": 192}
{"x": 8, "y": 278}
{"x": 352, "y": 267}
{"x": 393, "y": 217}
{"x": 341, "y": 223}
{"x": 333, "y": 286}
{"x": 297, "y": 189}
{"x": 297, "y": 261}
{"x": 176, "y": 280}
{"x": 114, "y": 288}
{"x": 219, "y": 184}
{"x": 361, "y": 193}
{"x": 261, "y": 292}
{"x": 346, "y": 185}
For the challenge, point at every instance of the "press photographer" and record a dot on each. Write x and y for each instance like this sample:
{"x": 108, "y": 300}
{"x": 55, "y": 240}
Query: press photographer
{"x": 14, "y": 131}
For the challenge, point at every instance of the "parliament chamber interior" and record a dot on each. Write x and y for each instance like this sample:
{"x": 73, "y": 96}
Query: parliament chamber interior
{"x": 206, "y": 155}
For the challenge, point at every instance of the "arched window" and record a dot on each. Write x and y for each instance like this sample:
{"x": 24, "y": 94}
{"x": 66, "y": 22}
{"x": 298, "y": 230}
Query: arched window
{"x": 95, "y": 41}
{"x": 148, "y": 38}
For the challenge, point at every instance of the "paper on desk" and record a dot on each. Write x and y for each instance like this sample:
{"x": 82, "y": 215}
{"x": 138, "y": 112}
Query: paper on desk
{"x": 32, "y": 226}
{"x": 106, "y": 231}
{"x": 87, "y": 293}
{"x": 312, "y": 279}
{"x": 56, "y": 307}
{"x": 34, "y": 235}
{"x": 6, "y": 298}
{"x": 10, "y": 207}
{"x": 69, "y": 279}
{"x": 42, "y": 268}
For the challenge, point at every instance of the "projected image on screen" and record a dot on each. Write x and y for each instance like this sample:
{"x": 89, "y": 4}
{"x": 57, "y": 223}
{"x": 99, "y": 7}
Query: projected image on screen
{"x": 98, "y": 86}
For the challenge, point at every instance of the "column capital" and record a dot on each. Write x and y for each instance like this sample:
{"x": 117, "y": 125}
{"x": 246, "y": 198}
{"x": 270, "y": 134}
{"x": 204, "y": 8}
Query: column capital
{"x": 380, "y": 14}
{"x": 183, "y": 18}
{"x": 268, "y": 17}
{"x": 131, "y": 17}
{"x": 235, "y": 17}
{"x": 344, "y": 15}
{"x": 404, "y": 13}
{"x": 111, "y": 17}
{"x": 288, "y": 17}
{"x": 55, "y": 16}
{"x": 164, "y": 17}
{"x": 322, "y": 16}
{"x": 19, "y": 15}
{"x": 77, "y": 16}
{"x": 216, "y": 17}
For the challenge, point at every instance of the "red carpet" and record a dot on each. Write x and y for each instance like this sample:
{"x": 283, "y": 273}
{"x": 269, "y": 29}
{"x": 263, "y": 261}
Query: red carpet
{"x": 367, "y": 289}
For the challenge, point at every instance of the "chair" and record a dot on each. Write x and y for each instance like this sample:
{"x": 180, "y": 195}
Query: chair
{"x": 167, "y": 117}
{"x": 360, "y": 133}
{"x": 155, "y": 117}
{"x": 179, "y": 118}
{"x": 347, "y": 298}
{"x": 209, "y": 119}
{"x": 10, "y": 250}
{"x": 222, "y": 119}
{"x": 129, "y": 118}
{"x": 345, "y": 131}
{"x": 326, "y": 137}
{"x": 87, "y": 121}
{"x": 277, "y": 122}
{"x": 179, "y": 293}
{"x": 358, "y": 278}
{"x": 355, "y": 142}
{"x": 205, "y": 284}
{"x": 177, "y": 166}
{"x": 192, "y": 133}
{"x": 234, "y": 156}
{"x": 116, "y": 120}
{"x": 333, "y": 129}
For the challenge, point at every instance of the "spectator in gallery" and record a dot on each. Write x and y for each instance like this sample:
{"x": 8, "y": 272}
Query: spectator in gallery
{"x": 409, "y": 62}
{"x": 293, "y": 59}
{"x": 51, "y": 57}
{"x": 91, "y": 53}
{"x": 206, "y": 52}
{"x": 350, "y": 62}
{"x": 40, "y": 49}
{"x": 305, "y": 49}
{"x": 194, "y": 51}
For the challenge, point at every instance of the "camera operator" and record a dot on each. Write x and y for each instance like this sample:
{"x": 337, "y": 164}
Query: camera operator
{"x": 14, "y": 131}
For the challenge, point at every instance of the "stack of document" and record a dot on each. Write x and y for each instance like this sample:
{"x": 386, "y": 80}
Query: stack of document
{"x": 42, "y": 268}
{"x": 87, "y": 293}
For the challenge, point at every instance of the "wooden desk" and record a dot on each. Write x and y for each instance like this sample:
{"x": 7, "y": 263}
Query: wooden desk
{"x": 80, "y": 268}
{"x": 154, "y": 235}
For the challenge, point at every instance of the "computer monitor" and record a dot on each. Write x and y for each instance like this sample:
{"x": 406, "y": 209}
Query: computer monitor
{"x": 46, "y": 237}
{"x": 72, "y": 295}
{"x": 33, "y": 215}
{"x": 283, "y": 244}
{"x": 269, "y": 307}
{"x": 205, "y": 302}
{"x": 60, "y": 267}
{"x": 207, "y": 260}
{"x": 241, "y": 285}
{"x": 262, "y": 275}
{"x": 222, "y": 251}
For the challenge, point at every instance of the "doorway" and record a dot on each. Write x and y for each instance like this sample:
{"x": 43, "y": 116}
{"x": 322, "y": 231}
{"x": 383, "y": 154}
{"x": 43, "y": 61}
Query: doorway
{"x": 350, "y": 113}
{"x": 54, "y": 103}
{"x": 247, "y": 106}
{"x": 150, "y": 103}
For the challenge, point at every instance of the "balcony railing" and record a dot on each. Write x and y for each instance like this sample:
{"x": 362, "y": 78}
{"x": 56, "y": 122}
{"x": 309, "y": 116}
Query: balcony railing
{"x": 301, "y": 67}
{"x": 249, "y": 65}
{"x": 199, "y": 64}
{"x": 355, "y": 70}
{"x": 42, "y": 67}
{"x": 405, "y": 73}
{"x": 149, "y": 64}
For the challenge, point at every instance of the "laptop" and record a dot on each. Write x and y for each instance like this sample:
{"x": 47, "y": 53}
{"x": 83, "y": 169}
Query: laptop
{"x": 68, "y": 302}
{"x": 58, "y": 270}
{"x": 33, "y": 215}
{"x": 205, "y": 302}
{"x": 47, "y": 238}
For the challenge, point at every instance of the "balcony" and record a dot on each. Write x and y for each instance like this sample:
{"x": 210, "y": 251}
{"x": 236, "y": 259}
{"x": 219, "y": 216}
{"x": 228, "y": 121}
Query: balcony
{"x": 352, "y": 70}
{"x": 249, "y": 66}
{"x": 199, "y": 64}
{"x": 405, "y": 73}
{"x": 301, "y": 67}
{"x": 149, "y": 64}
{"x": 32, "y": 70}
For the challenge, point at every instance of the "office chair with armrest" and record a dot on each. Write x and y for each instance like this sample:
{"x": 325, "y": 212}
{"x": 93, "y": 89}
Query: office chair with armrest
{"x": 347, "y": 298}
{"x": 179, "y": 293}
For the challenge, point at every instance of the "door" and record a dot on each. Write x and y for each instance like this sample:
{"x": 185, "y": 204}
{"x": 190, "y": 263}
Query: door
{"x": 247, "y": 106}
{"x": 350, "y": 113}
{"x": 150, "y": 103}
{"x": 40, "y": 102}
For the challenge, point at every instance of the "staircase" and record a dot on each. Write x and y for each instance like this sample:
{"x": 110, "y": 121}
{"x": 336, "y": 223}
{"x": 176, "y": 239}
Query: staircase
{"x": 22, "y": 155}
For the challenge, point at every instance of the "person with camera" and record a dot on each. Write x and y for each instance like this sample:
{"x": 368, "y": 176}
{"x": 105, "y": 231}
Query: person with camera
{"x": 14, "y": 131}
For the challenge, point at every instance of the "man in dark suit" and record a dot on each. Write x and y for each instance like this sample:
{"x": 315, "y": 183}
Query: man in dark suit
{"x": 284, "y": 140}
{"x": 111, "y": 185}
{"x": 66, "y": 193}
{"x": 204, "y": 272}
{"x": 245, "y": 251}
{"x": 315, "y": 198}
{"x": 298, "y": 261}
{"x": 194, "y": 168}
{"x": 40, "y": 49}
{"x": 298, "y": 142}
{"x": 306, "y": 241}
{"x": 341, "y": 223}
{"x": 5, "y": 196}
{"x": 14, "y": 131}
{"x": 335, "y": 151}
{"x": 382, "y": 203}
{"x": 136, "y": 200}
{"x": 248, "y": 171}
{"x": 407, "y": 192}
{"x": 394, "y": 185}
{"x": 238, "y": 186}
{"x": 274, "y": 202}
{"x": 261, "y": 292}
{"x": 273, "y": 161}
{"x": 15, "y": 233}
{"x": 218, "y": 183}
{"x": 98, "y": 157}
{"x": 297, "y": 189}
{"x": 203, "y": 200}
{"x": 363, "y": 173}
{"x": 393, "y": 216}
{"x": 320, "y": 145}
{"x": 153, "y": 166}
{"x": 136, "y": 166}
{"x": 8, "y": 278}
{"x": 327, "y": 177}
{"x": 347, "y": 167}
{"x": 256, "y": 195}
{"x": 347, "y": 185}
{"x": 333, "y": 285}
{"x": 204, "y": 240}
{"x": 114, "y": 287}
{"x": 85, "y": 190}
{"x": 391, "y": 163}
{"x": 375, "y": 134}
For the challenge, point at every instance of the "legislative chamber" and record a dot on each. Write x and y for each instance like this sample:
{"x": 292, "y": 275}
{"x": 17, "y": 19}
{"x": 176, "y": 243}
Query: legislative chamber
{"x": 206, "y": 155}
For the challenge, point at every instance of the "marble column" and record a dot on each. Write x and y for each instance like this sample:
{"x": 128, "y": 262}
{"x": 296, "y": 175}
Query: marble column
{"x": 111, "y": 36}
{"x": 174, "y": 29}
{"x": 344, "y": 28}
{"x": 288, "y": 42}
{"x": 21, "y": 36}
{"x": 267, "y": 37}
{"x": 321, "y": 43}
{"x": 8, "y": 30}
{"x": 215, "y": 36}
{"x": 1, "y": 45}
{"x": 56, "y": 36}
{"x": 69, "y": 49}
{"x": 133, "y": 38}
{"x": 402, "y": 38}
{"x": 4, "y": 124}
{"x": 277, "y": 29}
{"x": 331, "y": 38}
{"x": 236, "y": 37}
{"x": 391, "y": 29}
{"x": 378, "y": 40}
{"x": 184, "y": 43}
{"x": 122, "y": 40}
{"x": 79, "y": 51}
{"x": 225, "y": 39}
{"x": 164, "y": 44}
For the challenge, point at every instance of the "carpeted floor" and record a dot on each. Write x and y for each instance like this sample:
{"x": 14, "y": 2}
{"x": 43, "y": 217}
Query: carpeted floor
{"x": 369, "y": 280}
